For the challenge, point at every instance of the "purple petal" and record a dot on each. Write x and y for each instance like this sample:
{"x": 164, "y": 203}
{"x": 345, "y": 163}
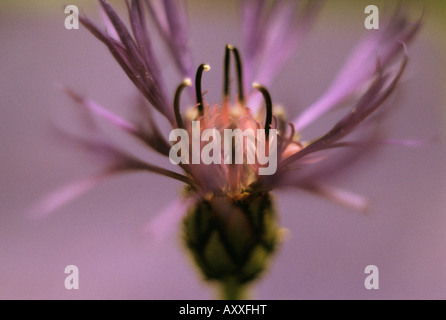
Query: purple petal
{"x": 135, "y": 58}
{"x": 72, "y": 191}
{"x": 124, "y": 36}
{"x": 164, "y": 223}
{"x": 285, "y": 34}
{"x": 163, "y": 172}
{"x": 148, "y": 133}
{"x": 271, "y": 35}
{"x": 342, "y": 197}
{"x": 110, "y": 29}
{"x": 148, "y": 129}
{"x": 111, "y": 157}
{"x": 413, "y": 143}
{"x": 103, "y": 113}
{"x": 384, "y": 46}
{"x": 139, "y": 28}
{"x": 369, "y": 102}
{"x": 170, "y": 18}
{"x": 176, "y": 15}
{"x": 66, "y": 194}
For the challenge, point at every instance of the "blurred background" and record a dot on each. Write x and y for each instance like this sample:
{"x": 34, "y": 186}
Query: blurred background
{"x": 328, "y": 247}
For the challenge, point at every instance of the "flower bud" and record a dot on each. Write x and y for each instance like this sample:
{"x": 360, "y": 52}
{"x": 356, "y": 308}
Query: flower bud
{"x": 232, "y": 240}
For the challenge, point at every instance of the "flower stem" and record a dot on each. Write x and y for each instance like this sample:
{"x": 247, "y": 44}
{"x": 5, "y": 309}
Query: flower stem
{"x": 230, "y": 289}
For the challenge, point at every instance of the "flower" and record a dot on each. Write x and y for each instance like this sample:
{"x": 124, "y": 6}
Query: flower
{"x": 229, "y": 221}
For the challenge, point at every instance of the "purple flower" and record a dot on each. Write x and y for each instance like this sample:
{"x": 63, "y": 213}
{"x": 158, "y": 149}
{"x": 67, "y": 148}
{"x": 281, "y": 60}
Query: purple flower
{"x": 271, "y": 34}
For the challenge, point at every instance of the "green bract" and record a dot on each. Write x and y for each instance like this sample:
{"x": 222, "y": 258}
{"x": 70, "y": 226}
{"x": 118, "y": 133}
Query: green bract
{"x": 232, "y": 240}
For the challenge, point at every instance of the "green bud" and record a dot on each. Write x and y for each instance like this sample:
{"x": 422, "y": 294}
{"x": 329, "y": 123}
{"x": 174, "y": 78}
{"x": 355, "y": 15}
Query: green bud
{"x": 232, "y": 240}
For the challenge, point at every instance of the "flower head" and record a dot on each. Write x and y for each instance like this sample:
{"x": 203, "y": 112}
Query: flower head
{"x": 231, "y": 226}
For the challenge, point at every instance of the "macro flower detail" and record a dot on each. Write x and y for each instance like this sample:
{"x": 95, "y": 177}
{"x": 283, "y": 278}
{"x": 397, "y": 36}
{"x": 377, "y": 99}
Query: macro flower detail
{"x": 232, "y": 240}
{"x": 230, "y": 224}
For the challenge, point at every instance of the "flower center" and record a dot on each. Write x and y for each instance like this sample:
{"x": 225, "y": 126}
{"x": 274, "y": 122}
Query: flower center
{"x": 234, "y": 175}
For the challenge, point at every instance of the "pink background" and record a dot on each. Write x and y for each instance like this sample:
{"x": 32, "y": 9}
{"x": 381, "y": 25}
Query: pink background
{"x": 404, "y": 234}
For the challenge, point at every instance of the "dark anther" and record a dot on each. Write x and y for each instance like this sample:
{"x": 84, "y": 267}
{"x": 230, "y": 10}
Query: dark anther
{"x": 176, "y": 102}
{"x": 269, "y": 107}
{"x": 238, "y": 63}
{"x": 199, "y": 94}
{"x": 226, "y": 70}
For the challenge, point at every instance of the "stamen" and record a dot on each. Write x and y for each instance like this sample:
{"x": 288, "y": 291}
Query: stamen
{"x": 176, "y": 102}
{"x": 238, "y": 62}
{"x": 199, "y": 94}
{"x": 226, "y": 71}
{"x": 269, "y": 106}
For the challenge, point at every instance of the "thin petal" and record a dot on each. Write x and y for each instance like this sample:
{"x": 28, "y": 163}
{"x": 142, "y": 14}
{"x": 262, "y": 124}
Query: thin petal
{"x": 149, "y": 134}
{"x": 111, "y": 31}
{"x": 148, "y": 128}
{"x": 171, "y": 21}
{"x": 289, "y": 25}
{"x": 176, "y": 15}
{"x": 163, "y": 224}
{"x": 72, "y": 191}
{"x": 138, "y": 64}
{"x": 164, "y": 172}
{"x": 412, "y": 143}
{"x": 139, "y": 28}
{"x": 359, "y": 67}
{"x": 345, "y": 198}
{"x": 101, "y": 112}
{"x": 271, "y": 34}
{"x": 66, "y": 194}
{"x": 369, "y": 102}
{"x": 113, "y": 158}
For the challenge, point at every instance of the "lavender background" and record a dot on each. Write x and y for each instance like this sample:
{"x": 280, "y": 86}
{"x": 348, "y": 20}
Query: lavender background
{"x": 404, "y": 233}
